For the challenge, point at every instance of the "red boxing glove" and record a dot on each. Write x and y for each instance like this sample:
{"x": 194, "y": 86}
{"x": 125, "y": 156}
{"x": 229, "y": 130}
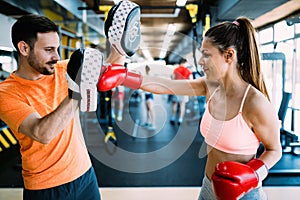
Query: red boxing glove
{"x": 115, "y": 75}
{"x": 231, "y": 180}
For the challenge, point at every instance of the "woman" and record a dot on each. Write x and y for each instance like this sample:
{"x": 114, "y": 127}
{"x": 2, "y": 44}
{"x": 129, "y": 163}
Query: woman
{"x": 239, "y": 114}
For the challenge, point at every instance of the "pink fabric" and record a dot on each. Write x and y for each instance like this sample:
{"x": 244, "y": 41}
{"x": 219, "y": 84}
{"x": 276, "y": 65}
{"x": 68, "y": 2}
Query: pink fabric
{"x": 232, "y": 136}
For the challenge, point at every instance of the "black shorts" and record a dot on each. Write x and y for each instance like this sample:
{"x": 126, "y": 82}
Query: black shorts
{"x": 85, "y": 187}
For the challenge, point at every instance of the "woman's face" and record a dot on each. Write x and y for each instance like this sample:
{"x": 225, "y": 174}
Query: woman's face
{"x": 212, "y": 61}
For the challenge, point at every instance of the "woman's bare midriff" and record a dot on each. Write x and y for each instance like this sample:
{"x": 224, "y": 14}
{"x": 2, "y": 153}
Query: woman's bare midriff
{"x": 215, "y": 156}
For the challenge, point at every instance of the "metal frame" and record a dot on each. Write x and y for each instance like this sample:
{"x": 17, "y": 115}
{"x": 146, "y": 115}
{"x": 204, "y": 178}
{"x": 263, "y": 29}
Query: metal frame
{"x": 289, "y": 139}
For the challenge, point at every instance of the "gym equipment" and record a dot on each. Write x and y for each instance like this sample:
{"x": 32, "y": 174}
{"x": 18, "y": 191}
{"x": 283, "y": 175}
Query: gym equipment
{"x": 83, "y": 71}
{"x": 104, "y": 116}
{"x": 122, "y": 27}
{"x": 289, "y": 139}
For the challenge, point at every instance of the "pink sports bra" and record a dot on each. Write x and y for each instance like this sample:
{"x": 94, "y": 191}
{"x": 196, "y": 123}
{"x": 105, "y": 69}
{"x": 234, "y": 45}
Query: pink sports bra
{"x": 231, "y": 136}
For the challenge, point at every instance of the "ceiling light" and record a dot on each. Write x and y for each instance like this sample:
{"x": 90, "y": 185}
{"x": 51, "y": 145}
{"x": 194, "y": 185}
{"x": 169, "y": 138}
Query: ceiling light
{"x": 145, "y": 50}
{"x": 181, "y": 2}
{"x": 171, "y": 29}
{"x": 147, "y": 54}
{"x": 116, "y": 1}
{"x": 167, "y": 39}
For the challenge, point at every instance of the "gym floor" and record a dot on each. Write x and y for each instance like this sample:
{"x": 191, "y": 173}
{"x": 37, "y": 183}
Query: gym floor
{"x": 172, "y": 161}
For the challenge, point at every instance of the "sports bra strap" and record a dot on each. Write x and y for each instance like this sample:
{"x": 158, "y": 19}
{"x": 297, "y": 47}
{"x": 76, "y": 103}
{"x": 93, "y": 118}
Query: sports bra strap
{"x": 246, "y": 92}
{"x": 244, "y": 97}
{"x": 213, "y": 93}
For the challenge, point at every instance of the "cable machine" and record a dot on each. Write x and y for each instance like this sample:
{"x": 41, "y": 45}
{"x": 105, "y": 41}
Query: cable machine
{"x": 289, "y": 140}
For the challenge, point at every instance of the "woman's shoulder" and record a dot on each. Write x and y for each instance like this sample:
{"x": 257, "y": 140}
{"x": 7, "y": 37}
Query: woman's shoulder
{"x": 259, "y": 111}
{"x": 256, "y": 95}
{"x": 256, "y": 102}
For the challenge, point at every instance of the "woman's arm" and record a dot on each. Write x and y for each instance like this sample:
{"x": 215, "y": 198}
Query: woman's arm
{"x": 159, "y": 85}
{"x": 266, "y": 125}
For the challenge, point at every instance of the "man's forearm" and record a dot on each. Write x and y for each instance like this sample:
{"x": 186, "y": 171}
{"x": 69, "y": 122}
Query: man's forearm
{"x": 44, "y": 129}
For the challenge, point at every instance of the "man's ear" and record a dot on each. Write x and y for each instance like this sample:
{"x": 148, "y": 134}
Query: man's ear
{"x": 24, "y": 48}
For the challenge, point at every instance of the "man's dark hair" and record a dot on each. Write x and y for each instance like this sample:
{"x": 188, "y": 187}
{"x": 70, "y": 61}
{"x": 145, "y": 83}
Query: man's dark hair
{"x": 26, "y": 29}
{"x": 183, "y": 60}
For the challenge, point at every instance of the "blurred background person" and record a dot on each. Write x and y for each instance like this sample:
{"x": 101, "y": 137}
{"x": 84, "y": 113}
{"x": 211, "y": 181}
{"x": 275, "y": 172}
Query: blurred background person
{"x": 117, "y": 101}
{"x": 182, "y": 72}
{"x": 149, "y": 101}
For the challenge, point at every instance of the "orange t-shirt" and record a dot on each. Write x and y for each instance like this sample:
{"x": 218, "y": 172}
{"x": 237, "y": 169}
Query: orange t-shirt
{"x": 66, "y": 157}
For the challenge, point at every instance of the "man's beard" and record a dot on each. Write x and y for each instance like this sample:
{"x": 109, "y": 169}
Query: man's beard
{"x": 34, "y": 63}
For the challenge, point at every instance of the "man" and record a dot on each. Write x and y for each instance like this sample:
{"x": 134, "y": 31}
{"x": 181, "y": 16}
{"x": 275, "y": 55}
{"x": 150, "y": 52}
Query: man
{"x": 40, "y": 103}
{"x": 35, "y": 104}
